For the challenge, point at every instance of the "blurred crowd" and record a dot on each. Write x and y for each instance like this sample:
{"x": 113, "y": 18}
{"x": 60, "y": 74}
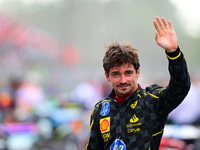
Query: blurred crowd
{"x": 182, "y": 131}
{"x": 36, "y": 116}
{"x": 37, "y": 111}
{"x": 33, "y": 119}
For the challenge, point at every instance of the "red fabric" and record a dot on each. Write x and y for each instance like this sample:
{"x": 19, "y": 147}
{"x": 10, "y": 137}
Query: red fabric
{"x": 120, "y": 98}
{"x": 167, "y": 143}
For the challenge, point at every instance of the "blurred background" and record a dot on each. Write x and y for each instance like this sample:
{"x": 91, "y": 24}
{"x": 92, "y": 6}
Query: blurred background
{"x": 51, "y": 72}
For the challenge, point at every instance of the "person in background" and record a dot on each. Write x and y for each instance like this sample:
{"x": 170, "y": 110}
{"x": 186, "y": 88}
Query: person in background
{"x": 132, "y": 117}
{"x": 174, "y": 144}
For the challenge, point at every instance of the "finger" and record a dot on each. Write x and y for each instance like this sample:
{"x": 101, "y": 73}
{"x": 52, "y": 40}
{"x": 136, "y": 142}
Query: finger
{"x": 165, "y": 23}
{"x": 156, "y": 25}
{"x": 160, "y": 23}
{"x": 170, "y": 25}
{"x": 156, "y": 37}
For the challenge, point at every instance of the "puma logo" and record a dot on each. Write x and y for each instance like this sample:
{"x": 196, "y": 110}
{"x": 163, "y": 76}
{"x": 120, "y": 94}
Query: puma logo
{"x": 134, "y": 119}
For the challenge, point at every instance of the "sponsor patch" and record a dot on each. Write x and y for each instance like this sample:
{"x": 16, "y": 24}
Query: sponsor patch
{"x": 134, "y": 104}
{"x": 134, "y": 130}
{"x": 105, "y": 108}
{"x": 118, "y": 145}
{"x": 105, "y": 125}
{"x": 134, "y": 119}
{"x": 106, "y": 136}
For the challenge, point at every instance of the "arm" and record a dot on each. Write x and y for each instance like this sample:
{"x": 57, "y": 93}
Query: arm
{"x": 95, "y": 139}
{"x": 179, "y": 84}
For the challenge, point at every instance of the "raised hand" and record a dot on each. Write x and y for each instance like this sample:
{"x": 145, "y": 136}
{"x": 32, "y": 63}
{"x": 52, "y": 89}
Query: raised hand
{"x": 165, "y": 35}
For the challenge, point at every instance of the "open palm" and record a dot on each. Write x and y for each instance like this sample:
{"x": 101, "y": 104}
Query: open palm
{"x": 165, "y": 35}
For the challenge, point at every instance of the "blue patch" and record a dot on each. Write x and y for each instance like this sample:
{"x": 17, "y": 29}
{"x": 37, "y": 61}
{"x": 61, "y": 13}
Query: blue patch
{"x": 118, "y": 145}
{"x": 105, "y": 109}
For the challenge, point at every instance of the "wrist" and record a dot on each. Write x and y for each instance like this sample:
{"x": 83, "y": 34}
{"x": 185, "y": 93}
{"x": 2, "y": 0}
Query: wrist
{"x": 174, "y": 56}
{"x": 171, "y": 50}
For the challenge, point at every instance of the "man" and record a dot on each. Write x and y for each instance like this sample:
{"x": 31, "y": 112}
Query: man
{"x": 132, "y": 118}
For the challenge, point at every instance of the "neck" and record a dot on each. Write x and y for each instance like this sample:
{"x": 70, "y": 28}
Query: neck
{"x": 121, "y": 98}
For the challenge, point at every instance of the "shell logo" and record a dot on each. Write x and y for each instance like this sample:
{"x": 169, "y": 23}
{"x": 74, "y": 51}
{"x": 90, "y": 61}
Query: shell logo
{"x": 105, "y": 124}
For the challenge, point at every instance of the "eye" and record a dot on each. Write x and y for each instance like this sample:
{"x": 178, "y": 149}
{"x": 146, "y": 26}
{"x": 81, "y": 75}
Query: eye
{"x": 115, "y": 74}
{"x": 129, "y": 72}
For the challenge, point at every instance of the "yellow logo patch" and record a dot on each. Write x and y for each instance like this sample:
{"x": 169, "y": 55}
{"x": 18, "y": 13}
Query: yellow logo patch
{"x": 134, "y": 119}
{"x": 106, "y": 136}
{"x": 105, "y": 125}
{"x": 134, "y": 104}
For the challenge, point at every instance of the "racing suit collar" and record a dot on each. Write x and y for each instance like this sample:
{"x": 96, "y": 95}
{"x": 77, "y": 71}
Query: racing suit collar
{"x": 139, "y": 90}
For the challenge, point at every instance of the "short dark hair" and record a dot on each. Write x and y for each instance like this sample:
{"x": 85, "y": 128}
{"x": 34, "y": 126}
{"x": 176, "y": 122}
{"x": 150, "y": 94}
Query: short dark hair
{"x": 118, "y": 54}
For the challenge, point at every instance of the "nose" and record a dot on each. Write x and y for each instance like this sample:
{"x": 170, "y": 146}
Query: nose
{"x": 123, "y": 79}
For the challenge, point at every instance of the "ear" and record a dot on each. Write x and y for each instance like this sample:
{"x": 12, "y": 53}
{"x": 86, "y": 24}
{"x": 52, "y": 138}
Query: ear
{"x": 138, "y": 73}
{"x": 107, "y": 77}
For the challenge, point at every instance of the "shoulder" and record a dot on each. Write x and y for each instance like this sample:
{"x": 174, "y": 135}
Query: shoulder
{"x": 99, "y": 104}
{"x": 102, "y": 107}
{"x": 154, "y": 90}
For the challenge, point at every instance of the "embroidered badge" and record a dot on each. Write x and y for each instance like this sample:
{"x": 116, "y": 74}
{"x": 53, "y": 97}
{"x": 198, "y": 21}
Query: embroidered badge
{"x": 105, "y": 125}
{"x": 105, "y": 108}
{"x": 134, "y": 104}
{"x": 118, "y": 145}
{"x": 134, "y": 119}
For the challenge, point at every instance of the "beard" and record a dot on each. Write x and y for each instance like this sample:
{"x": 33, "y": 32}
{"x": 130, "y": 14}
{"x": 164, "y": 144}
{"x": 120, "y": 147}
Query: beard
{"x": 123, "y": 91}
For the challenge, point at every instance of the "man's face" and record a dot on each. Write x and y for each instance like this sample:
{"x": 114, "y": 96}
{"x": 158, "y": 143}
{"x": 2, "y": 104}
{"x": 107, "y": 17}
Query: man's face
{"x": 123, "y": 78}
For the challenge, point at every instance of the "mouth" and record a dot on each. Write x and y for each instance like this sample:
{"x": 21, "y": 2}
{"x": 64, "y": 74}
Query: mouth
{"x": 123, "y": 86}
